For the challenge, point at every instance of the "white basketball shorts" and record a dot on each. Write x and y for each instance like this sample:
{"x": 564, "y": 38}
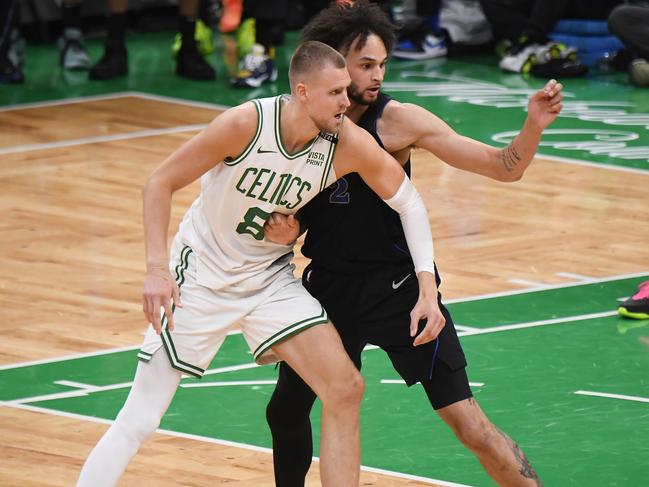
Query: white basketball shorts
{"x": 266, "y": 317}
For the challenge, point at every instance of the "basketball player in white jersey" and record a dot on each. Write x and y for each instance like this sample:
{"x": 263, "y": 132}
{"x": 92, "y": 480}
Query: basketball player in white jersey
{"x": 263, "y": 156}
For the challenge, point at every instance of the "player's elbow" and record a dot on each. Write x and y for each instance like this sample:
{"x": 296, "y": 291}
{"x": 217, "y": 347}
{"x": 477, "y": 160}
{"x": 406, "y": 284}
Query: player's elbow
{"x": 511, "y": 176}
{"x": 154, "y": 184}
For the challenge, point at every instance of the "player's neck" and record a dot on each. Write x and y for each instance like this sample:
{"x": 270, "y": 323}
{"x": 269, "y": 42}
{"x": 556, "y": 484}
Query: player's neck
{"x": 355, "y": 111}
{"x": 296, "y": 128}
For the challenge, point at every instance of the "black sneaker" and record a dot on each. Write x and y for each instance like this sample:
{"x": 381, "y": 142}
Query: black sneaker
{"x": 256, "y": 68}
{"x": 637, "y": 306}
{"x": 10, "y": 73}
{"x": 191, "y": 64}
{"x": 114, "y": 63}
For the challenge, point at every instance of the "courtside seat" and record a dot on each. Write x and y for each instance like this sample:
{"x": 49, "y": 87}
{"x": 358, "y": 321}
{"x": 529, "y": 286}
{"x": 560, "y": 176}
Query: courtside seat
{"x": 591, "y": 37}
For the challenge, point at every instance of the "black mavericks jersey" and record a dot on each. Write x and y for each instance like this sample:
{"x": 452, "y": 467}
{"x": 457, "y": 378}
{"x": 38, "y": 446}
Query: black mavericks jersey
{"x": 350, "y": 228}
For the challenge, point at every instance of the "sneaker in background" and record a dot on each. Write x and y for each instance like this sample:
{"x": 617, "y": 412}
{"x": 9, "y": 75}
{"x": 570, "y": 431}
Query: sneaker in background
{"x": 428, "y": 46}
{"x": 639, "y": 72}
{"x": 519, "y": 58}
{"x": 191, "y": 64}
{"x": 16, "y": 51}
{"x": 257, "y": 67}
{"x": 637, "y": 306}
{"x": 112, "y": 64}
{"x": 9, "y": 72}
{"x": 73, "y": 54}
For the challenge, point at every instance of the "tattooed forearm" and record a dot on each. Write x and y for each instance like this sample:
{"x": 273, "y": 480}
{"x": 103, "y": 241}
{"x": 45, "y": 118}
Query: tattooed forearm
{"x": 510, "y": 157}
{"x": 526, "y": 469}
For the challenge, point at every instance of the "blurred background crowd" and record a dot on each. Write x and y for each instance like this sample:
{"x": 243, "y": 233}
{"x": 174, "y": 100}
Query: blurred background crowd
{"x": 543, "y": 38}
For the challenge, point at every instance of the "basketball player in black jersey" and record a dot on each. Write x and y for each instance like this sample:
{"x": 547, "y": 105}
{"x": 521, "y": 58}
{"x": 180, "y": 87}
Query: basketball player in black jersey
{"x": 360, "y": 269}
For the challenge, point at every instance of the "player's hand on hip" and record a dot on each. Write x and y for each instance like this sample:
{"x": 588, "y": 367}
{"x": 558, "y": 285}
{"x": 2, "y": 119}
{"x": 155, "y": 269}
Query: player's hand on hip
{"x": 282, "y": 229}
{"x": 429, "y": 310}
{"x": 159, "y": 289}
{"x": 545, "y": 105}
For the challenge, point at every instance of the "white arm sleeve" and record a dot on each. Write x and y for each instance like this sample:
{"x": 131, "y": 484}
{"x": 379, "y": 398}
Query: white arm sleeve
{"x": 416, "y": 228}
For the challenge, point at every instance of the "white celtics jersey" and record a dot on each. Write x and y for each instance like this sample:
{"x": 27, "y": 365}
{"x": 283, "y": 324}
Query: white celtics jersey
{"x": 224, "y": 226}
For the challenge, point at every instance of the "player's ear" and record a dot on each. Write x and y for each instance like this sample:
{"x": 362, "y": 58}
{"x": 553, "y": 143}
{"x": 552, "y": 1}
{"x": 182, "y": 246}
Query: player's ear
{"x": 301, "y": 91}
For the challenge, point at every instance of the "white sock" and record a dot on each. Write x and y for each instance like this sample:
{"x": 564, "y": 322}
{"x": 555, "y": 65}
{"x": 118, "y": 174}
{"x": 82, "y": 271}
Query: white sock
{"x": 153, "y": 389}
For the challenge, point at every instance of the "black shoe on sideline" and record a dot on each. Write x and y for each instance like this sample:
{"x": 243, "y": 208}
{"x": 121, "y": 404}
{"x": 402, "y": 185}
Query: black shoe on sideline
{"x": 114, "y": 63}
{"x": 191, "y": 64}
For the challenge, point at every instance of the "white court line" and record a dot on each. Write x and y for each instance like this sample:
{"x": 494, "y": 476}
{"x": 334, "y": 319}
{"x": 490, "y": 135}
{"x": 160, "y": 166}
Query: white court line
{"x": 526, "y": 282}
{"x": 86, "y": 389}
{"x": 111, "y": 96}
{"x": 217, "y": 441}
{"x": 531, "y": 324}
{"x": 501, "y": 294}
{"x": 576, "y": 277}
{"x": 401, "y": 381}
{"x": 230, "y": 383}
{"x": 579, "y": 162}
{"x": 613, "y": 396}
{"x": 70, "y": 383}
{"x": 68, "y": 394}
{"x": 101, "y": 139}
{"x": 63, "y": 358}
{"x": 546, "y": 288}
{"x": 465, "y": 328}
{"x": 180, "y": 101}
{"x": 67, "y": 101}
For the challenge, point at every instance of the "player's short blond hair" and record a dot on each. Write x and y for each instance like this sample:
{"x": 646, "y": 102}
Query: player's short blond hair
{"x": 311, "y": 56}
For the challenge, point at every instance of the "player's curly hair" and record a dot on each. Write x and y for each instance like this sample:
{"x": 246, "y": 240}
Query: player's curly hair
{"x": 340, "y": 24}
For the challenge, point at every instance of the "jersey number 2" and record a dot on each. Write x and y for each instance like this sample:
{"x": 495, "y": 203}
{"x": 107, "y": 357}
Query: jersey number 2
{"x": 340, "y": 195}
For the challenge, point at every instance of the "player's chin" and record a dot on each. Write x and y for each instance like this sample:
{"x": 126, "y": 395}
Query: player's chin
{"x": 371, "y": 95}
{"x": 336, "y": 122}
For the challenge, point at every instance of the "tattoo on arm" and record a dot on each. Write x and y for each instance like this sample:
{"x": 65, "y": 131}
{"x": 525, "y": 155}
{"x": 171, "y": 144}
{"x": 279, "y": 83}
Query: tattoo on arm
{"x": 526, "y": 469}
{"x": 509, "y": 157}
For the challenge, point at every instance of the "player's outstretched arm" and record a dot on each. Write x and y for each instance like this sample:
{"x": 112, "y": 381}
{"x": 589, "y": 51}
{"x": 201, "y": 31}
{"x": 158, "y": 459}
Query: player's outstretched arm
{"x": 425, "y": 130}
{"x": 358, "y": 152}
{"x": 226, "y": 136}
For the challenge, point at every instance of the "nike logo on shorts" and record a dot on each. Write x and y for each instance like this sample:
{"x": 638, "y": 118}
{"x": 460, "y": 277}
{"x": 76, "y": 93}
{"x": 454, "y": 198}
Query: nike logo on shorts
{"x": 397, "y": 285}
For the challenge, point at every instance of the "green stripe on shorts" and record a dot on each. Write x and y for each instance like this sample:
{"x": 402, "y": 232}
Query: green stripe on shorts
{"x": 289, "y": 331}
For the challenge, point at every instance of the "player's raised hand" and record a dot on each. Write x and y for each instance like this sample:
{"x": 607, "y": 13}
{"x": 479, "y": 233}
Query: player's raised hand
{"x": 159, "y": 289}
{"x": 545, "y": 105}
{"x": 428, "y": 309}
{"x": 282, "y": 229}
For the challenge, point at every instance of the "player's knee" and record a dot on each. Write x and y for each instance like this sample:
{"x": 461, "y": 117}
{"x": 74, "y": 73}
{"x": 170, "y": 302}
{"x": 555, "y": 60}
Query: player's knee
{"x": 345, "y": 391}
{"x": 477, "y": 435}
{"x": 138, "y": 426}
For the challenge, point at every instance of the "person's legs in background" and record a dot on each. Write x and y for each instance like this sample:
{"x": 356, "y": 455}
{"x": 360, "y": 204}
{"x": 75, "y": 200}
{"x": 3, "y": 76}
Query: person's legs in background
{"x": 73, "y": 54}
{"x": 420, "y": 37}
{"x": 266, "y": 21}
{"x": 189, "y": 62}
{"x": 10, "y": 71}
{"x": 523, "y": 26}
{"x": 114, "y": 62}
{"x": 631, "y": 24}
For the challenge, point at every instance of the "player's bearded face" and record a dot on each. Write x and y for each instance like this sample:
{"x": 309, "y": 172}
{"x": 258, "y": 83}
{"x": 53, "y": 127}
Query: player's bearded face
{"x": 359, "y": 96}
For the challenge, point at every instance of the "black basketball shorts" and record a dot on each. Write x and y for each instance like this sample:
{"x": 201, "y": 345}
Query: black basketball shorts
{"x": 375, "y": 308}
